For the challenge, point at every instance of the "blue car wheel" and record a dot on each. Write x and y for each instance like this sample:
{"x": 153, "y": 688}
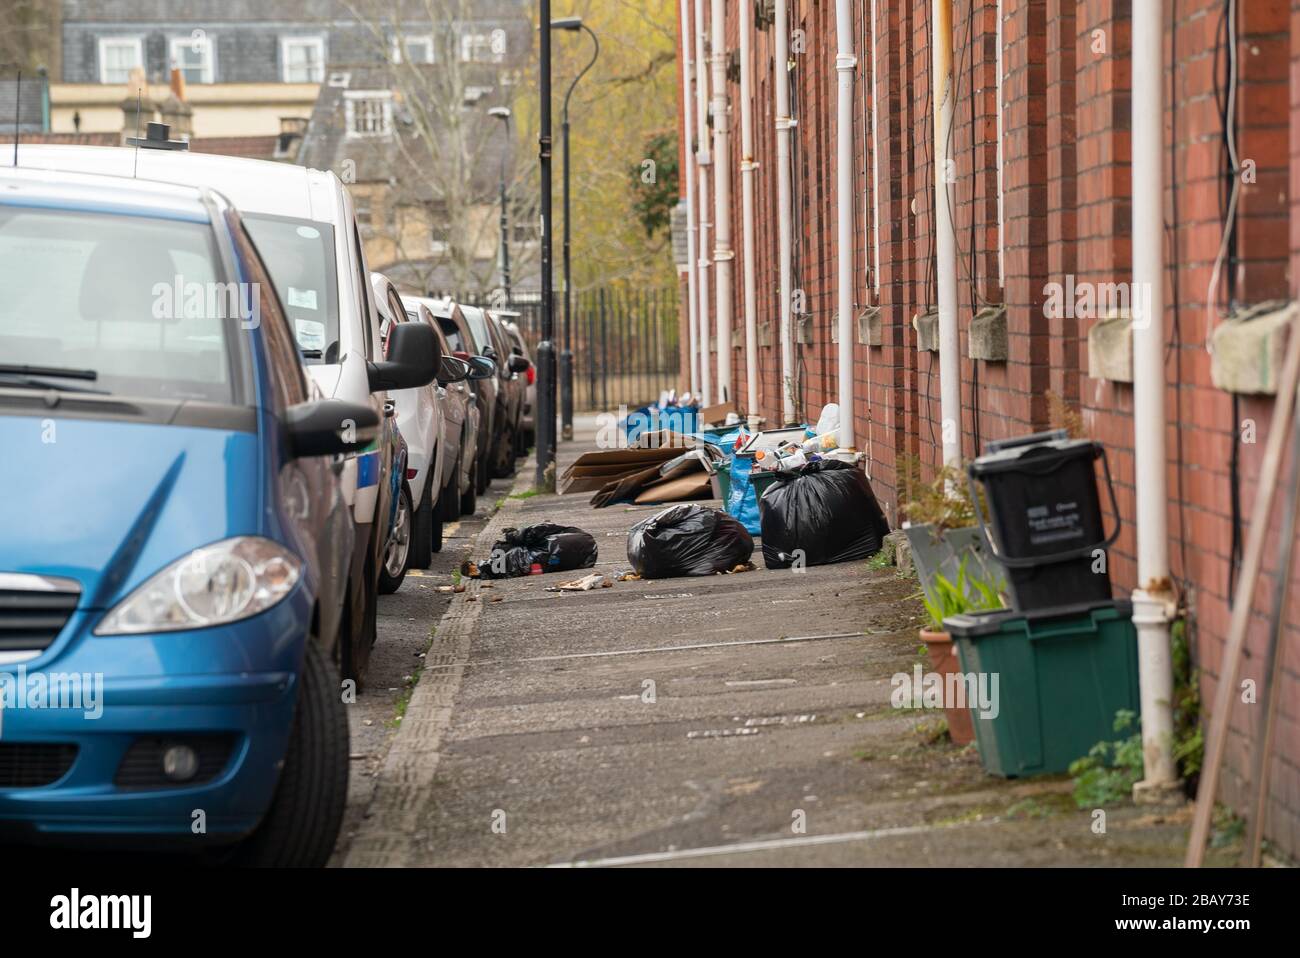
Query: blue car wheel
{"x": 302, "y": 825}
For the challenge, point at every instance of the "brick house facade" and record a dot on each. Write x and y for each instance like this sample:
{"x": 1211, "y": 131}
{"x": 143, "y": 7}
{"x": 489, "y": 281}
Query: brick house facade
{"x": 1064, "y": 199}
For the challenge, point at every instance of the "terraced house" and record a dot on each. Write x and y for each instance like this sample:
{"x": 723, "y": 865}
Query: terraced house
{"x": 977, "y": 219}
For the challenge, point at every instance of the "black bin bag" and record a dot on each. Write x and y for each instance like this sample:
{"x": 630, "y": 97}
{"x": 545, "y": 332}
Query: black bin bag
{"x": 820, "y": 514}
{"x": 554, "y": 547}
{"x": 687, "y": 539}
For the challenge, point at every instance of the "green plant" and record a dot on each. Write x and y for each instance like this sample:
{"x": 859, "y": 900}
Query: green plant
{"x": 966, "y": 594}
{"x": 944, "y": 502}
{"x": 1109, "y": 771}
{"x": 1189, "y": 734}
{"x": 655, "y": 184}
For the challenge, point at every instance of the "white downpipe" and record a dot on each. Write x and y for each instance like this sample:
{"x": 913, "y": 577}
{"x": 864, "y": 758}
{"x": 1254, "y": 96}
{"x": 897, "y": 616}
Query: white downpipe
{"x": 875, "y": 160}
{"x": 1002, "y": 207}
{"x": 723, "y": 254}
{"x": 692, "y": 268}
{"x": 1152, "y": 600}
{"x": 703, "y": 161}
{"x": 845, "y": 64}
{"x": 945, "y": 239}
{"x": 783, "y": 211}
{"x": 747, "y": 169}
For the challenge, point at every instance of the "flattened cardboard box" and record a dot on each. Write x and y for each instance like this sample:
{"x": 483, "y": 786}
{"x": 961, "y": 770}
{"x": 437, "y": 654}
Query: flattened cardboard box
{"x": 593, "y": 471}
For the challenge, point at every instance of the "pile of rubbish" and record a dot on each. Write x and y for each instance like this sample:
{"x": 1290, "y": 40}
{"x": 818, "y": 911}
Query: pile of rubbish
{"x": 756, "y": 458}
{"x": 536, "y": 550}
{"x": 682, "y": 414}
{"x": 688, "y": 540}
{"x": 664, "y": 466}
{"x": 820, "y": 513}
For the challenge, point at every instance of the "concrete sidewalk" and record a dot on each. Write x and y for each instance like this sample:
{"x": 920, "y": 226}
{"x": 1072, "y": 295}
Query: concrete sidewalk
{"x": 733, "y": 720}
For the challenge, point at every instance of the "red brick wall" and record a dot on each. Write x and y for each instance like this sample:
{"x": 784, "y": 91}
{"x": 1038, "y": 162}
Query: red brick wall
{"x": 1066, "y": 193}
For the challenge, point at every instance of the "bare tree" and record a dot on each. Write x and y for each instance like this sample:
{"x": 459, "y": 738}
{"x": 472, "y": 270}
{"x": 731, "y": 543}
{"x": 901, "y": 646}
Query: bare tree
{"x": 29, "y": 35}
{"x": 445, "y": 150}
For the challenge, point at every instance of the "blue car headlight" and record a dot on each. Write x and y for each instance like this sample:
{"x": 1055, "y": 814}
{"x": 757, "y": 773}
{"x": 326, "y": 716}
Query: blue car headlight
{"x": 217, "y": 584}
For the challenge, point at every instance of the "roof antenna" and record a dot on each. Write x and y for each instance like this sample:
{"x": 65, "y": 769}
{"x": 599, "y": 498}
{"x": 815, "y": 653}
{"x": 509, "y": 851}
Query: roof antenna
{"x": 18, "y": 105}
{"x": 135, "y": 167}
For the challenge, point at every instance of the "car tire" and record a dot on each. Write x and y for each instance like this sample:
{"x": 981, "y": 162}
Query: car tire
{"x": 483, "y": 477}
{"x": 397, "y": 552}
{"x": 435, "y": 528}
{"x": 302, "y": 825}
{"x": 426, "y": 530}
{"x": 354, "y": 649}
{"x": 469, "y": 498}
{"x": 449, "y": 500}
{"x": 504, "y": 465}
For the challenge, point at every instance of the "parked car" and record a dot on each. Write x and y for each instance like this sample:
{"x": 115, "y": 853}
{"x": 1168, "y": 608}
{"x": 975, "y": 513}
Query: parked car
{"x": 514, "y": 371}
{"x": 304, "y": 226}
{"x": 460, "y": 412}
{"x": 465, "y": 345}
{"x": 418, "y": 514}
{"x": 527, "y": 416}
{"x": 174, "y": 529}
{"x": 505, "y": 403}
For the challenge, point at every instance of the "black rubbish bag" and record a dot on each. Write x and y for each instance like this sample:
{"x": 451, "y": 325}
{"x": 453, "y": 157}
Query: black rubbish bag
{"x": 687, "y": 539}
{"x": 820, "y": 514}
{"x": 506, "y": 563}
{"x": 554, "y": 547}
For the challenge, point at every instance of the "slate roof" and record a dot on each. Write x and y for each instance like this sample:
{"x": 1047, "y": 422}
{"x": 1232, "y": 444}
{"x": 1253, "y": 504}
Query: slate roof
{"x": 327, "y": 146}
{"x": 30, "y": 100}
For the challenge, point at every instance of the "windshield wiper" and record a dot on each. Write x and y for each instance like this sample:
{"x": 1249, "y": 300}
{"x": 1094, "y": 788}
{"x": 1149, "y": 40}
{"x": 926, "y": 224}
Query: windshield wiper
{"x": 62, "y": 372}
{"x": 8, "y": 378}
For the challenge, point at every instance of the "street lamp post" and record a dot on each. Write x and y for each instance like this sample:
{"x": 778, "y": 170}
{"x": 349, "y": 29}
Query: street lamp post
{"x": 503, "y": 114}
{"x": 571, "y": 24}
{"x": 545, "y": 477}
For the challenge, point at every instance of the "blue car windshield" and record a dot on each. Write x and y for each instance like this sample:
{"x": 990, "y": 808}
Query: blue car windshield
{"x": 126, "y": 305}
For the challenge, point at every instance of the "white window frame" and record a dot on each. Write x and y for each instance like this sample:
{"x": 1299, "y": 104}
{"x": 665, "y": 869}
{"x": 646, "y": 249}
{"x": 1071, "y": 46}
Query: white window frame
{"x": 302, "y": 40}
{"x": 136, "y": 42}
{"x": 383, "y": 97}
{"x": 472, "y": 39}
{"x": 402, "y": 41}
{"x": 208, "y": 70}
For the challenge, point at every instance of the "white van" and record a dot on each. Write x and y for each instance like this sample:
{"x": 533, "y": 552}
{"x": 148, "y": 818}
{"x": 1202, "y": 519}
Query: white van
{"x": 303, "y": 223}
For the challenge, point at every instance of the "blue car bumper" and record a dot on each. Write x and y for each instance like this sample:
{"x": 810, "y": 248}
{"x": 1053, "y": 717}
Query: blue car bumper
{"x": 228, "y": 692}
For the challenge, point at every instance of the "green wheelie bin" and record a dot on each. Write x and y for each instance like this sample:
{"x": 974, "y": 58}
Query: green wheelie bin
{"x": 1060, "y": 676}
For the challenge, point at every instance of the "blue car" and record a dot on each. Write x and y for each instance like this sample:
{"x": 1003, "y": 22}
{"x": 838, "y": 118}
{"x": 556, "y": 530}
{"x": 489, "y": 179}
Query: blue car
{"x": 174, "y": 546}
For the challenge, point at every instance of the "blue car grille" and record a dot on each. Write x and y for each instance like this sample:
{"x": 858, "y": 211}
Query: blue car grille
{"x": 30, "y": 620}
{"x": 34, "y": 764}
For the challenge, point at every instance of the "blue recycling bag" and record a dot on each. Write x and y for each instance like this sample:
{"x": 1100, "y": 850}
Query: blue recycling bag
{"x": 742, "y": 501}
{"x": 682, "y": 419}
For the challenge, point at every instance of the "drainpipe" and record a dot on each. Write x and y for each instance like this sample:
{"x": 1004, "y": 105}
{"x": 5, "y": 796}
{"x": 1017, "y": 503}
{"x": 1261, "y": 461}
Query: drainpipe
{"x": 1002, "y": 206}
{"x": 845, "y": 63}
{"x": 1153, "y": 600}
{"x": 723, "y": 254}
{"x": 747, "y": 170}
{"x": 783, "y": 126}
{"x": 703, "y": 161}
{"x": 692, "y": 272}
{"x": 946, "y": 239}
{"x": 875, "y": 163}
